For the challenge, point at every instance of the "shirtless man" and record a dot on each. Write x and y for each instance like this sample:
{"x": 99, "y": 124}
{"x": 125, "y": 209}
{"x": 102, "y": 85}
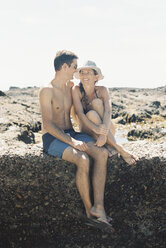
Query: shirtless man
{"x": 60, "y": 140}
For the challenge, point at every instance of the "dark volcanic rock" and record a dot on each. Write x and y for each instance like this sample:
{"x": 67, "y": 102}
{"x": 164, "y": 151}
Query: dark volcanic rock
{"x": 26, "y": 136}
{"x": 129, "y": 118}
{"x": 14, "y": 88}
{"x": 154, "y": 133}
{"x": 133, "y": 118}
{"x": 156, "y": 104}
{"x": 2, "y": 93}
{"x": 41, "y": 207}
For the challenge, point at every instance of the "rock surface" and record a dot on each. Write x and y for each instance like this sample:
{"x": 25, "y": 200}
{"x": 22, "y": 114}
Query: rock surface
{"x": 41, "y": 207}
{"x": 39, "y": 202}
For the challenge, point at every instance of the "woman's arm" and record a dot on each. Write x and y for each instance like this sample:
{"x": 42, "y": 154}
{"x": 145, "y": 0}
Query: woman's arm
{"x": 104, "y": 93}
{"x": 76, "y": 94}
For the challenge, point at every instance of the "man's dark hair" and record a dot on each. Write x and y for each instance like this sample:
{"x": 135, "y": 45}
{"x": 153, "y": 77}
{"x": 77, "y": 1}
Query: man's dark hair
{"x": 63, "y": 57}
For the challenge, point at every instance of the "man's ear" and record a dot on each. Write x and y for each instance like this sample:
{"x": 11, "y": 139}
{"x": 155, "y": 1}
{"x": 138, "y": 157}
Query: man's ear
{"x": 64, "y": 66}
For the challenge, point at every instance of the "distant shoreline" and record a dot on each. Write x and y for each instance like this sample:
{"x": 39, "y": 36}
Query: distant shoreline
{"x": 110, "y": 88}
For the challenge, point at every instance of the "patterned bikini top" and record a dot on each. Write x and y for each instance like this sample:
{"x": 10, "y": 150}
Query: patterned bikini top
{"x": 85, "y": 103}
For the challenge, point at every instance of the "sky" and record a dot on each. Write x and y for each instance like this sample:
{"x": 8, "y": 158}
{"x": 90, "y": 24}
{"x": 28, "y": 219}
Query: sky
{"x": 125, "y": 38}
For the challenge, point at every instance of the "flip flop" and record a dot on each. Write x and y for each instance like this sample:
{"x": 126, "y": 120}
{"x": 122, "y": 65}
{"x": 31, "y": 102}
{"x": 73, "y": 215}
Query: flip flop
{"x": 100, "y": 224}
{"x": 109, "y": 219}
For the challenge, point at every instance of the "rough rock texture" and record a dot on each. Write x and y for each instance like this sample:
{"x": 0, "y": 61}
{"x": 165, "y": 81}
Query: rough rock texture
{"x": 39, "y": 202}
{"x": 41, "y": 207}
{"x": 20, "y": 117}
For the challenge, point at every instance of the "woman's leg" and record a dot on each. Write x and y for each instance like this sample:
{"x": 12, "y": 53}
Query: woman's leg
{"x": 93, "y": 116}
{"x": 111, "y": 145}
{"x": 97, "y": 105}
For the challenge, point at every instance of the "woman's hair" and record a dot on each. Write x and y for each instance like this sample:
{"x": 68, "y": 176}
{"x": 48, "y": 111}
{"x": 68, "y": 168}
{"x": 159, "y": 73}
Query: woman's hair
{"x": 95, "y": 72}
{"x": 84, "y": 96}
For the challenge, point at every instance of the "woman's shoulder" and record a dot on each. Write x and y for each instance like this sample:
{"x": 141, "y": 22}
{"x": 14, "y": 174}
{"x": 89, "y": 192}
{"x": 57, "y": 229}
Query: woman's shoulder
{"x": 101, "y": 90}
{"x": 76, "y": 90}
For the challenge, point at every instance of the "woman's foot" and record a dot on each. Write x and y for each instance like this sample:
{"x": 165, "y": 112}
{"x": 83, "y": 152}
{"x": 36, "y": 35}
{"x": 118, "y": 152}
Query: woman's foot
{"x": 129, "y": 158}
{"x": 111, "y": 151}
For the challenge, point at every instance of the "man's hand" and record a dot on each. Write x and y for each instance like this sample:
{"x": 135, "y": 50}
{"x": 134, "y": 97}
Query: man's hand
{"x": 80, "y": 145}
{"x": 102, "y": 129}
{"x": 101, "y": 140}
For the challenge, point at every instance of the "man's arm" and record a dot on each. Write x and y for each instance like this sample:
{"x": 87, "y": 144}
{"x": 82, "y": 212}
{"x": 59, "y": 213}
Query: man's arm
{"x": 45, "y": 97}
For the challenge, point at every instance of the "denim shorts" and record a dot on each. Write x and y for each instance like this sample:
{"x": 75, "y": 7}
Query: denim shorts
{"x": 57, "y": 147}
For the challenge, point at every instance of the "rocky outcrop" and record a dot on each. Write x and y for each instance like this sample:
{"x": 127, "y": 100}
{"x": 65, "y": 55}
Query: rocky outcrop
{"x": 21, "y": 119}
{"x": 39, "y": 202}
{"x": 41, "y": 207}
{"x": 2, "y": 93}
{"x": 137, "y": 105}
{"x": 151, "y": 133}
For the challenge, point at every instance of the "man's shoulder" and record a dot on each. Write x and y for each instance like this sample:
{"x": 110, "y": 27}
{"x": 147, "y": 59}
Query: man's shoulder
{"x": 46, "y": 90}
{"x": 46, "y": 87}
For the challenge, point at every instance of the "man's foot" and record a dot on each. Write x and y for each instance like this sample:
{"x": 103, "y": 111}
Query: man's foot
{"x": 99, "y": 214}
{"x": 98, "y": 219}
{"x": 101, "y": 224}
{"x": 129, "y": 158}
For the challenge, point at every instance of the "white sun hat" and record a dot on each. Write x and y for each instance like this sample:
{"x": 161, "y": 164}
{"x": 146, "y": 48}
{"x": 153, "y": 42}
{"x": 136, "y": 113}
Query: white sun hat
{"x": 90, "y": 65}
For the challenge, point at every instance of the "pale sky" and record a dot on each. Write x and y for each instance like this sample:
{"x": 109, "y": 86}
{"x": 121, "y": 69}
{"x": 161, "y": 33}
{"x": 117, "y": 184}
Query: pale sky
{"x": 126, "y": 39}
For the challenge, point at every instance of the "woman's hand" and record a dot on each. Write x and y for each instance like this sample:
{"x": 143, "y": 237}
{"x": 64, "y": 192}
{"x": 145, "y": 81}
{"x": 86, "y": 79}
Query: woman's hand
{"x": 102, "y": 129}
{"x": 101, "y": 140}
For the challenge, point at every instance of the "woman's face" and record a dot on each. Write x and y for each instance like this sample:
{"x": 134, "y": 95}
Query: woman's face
{"x": 87, "y": 76}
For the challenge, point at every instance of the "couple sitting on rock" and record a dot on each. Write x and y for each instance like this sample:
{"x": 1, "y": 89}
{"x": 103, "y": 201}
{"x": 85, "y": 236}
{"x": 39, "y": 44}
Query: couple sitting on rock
{"x": 92, "y": 111}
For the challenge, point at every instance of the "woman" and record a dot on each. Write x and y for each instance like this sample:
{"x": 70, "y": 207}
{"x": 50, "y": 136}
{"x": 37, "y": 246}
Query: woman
{"x": 93, "y": 110}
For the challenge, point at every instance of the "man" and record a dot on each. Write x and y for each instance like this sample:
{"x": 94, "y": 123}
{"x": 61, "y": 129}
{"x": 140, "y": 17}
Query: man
{"x": 60, "y": 140}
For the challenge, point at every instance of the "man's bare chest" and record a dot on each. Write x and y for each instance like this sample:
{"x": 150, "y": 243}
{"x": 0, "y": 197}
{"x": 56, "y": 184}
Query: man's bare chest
{"x": 61, "y": 102}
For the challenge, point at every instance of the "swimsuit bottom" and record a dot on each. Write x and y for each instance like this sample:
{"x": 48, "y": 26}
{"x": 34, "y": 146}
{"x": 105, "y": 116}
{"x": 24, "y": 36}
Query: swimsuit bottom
{"x": 56, "y": 147}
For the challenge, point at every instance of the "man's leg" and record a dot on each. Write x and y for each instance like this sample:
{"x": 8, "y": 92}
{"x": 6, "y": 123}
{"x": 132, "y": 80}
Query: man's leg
{"x": 82, "y": 162}
{"x": 99, "y": 156}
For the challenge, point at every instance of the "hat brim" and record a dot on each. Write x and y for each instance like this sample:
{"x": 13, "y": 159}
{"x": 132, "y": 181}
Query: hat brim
{"x": 77, "y": 74}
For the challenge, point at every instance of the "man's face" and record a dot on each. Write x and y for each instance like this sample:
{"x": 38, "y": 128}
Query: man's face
{"x": 73, "y": 68}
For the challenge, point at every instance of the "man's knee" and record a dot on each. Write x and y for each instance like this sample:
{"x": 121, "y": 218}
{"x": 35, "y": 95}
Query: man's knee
{"x": 102, "y": 153}
{"x": 83, "y": 162}
{"x": 93, "y": 116}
